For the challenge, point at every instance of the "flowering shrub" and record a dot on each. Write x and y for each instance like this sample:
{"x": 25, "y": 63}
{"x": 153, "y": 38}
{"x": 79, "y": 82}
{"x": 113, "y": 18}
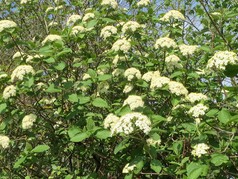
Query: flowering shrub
{"x": 118, "y": 89}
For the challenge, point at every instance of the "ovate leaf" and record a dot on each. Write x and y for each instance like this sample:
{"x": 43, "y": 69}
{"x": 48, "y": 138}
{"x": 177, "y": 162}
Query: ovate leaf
{"x": 40, "y": 148}
{"x": 218, "y": 159}
{"x": 99, "y": 102}
{"x": 156, "y": 166}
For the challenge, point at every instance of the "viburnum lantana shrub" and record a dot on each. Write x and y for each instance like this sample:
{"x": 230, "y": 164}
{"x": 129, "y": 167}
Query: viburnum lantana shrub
{"x": 102, "y": 89}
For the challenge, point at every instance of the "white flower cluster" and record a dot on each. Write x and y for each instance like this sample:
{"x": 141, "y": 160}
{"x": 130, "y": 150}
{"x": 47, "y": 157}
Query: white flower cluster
{"x": 134, "y": 102}
{"x": 111, "y": 3}
{"x": 165, "y": 42}
{"x": 77, "y": 29}
{"x": 110, "y": 120}
{"x": 177, "y": 88}
{"x": 172, "y": 62}
{"x": 117, "y": 58}
{"x": 132, "y": 73}
{"x": 127, "y": 123}
{"x": 24, "y": 1}
{"x": 51, "y": 38}
{"x": 121, "y": 45}
{"x": 88, "y": 16}
{"x": 200, "y": 149}
{"x": 21, "y": 71}
{"x": 221, "y": 59}
{"x": 172, "y": 14}
{"x": 153, "y": 142}
{"x": 198, "y": 110}
{"x": 28, "y": 120}
{"x": 72, "y": 19}
{"x": 128, "y": 168}
{"x": 6, "y": 24}
{"x": 195, "y": 97}
{"x": 187, "y": 49}
{"x": 130, "y": 26}
{"x": 18, "y": 55}
{"x": 108, "y": 31}
{"x": 150, "y": 74}
{"x": 9, "y": 91}
{"x": 143, "y": 3}
{"x": 158, "y": 82}
{"x": 4, "y": 141}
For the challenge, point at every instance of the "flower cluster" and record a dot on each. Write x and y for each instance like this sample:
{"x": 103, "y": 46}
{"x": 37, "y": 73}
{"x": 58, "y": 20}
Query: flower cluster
{"x": 28, "y": 120}
{"x": 77, "y": 29}
{"x": 200, "y": 149}
{"x": 51, "y": 38}
{"x": 88, "y": 16}
{"x": 198, "y": 110}
{"x": 21, "y": 71}
{"x": 165, "y": 42}
{"x": 172, "y": 62}
{"x": 72, "y": 19}
{"x": 158, "y": 82}
{"x": 108, "y": 31}
{"x": 128, "y": 88}
{"x": 128, "y": 168}
{"x": 24, "y": 1}
{"x": 174, "y": 14}
{"x": 153, "y": 142}
{"x": 195, "y": 97}
{"x": 7, "y": 24}
{"x": 110, "y": 120}
{"x": 132, "y": 73}
{"x": 4, "y": 141}
{"x": 143, "y": 3}
{"x": 130, "y": 26}
{"x": 111, "y": 3}
{"x": 9, "y": 91}
{"x": 177, "y": 88}
{"x": 128, "y": 123}
{"x": 134, "y": 102}
{"x": 121, "y": 45}
{"x": 150, "y": 74}
{"x": 187, "y": 49}
{"x": 221, "y": 59}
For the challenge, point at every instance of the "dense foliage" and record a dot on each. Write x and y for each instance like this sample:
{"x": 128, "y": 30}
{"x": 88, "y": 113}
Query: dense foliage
{"x": 109, "y": 89}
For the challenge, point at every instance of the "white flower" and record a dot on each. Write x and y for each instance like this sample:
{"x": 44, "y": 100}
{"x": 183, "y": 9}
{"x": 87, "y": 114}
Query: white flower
{"x": 130, "y": 26}
{"x": 4, "y": 141}
{"x": 88, "y": 16}
{"x": 52, "y": 38}
{"x": 148, "y": 76}
{"x": 134, "y": 102}
{"x": 128, "y": 88}
{"x": 28, "y": 120}
{"x": 108, "y": 31}
{"x": 52, "y": 24}
{"x": 153, "y": 142}
{"x": 18, "y": 55}
{"x": 143, "y": 3}
{"x": 158, "y": 82}
{"x": 172, "y": 62}
{"x": 165, "y": 42}
{"x": 177, "y": 88}
{"x": 72, "y": 19}
{"x": 9, "y": 91}
{"x": 187, "y": 49}
{"x": 198, "y": 110}
{"x": 3, "y": 75}
{"x": 45, "y": 101}
{"x": 221, "y": 59}
{"x": 77, "y": 29}
{"x": 111, "y": 3}
{"x": 7, "y": 24}
{"x": 86, "y": 76}
{"x": 194, "y": 97}
{"x": 172, "y": 14}
{"x": 132, "y": 73}
{"x": 110, "y": 121}
{"x": 23, "y": 1}
{"x": 128, "y": 123}
{"x": 200, "y": 149}
{"x": 117, "y": 58}
{"x": 21, "y": 71}
{"x": 121, "y": 45}
{"x": 128, "y": 168}
{"x": 117, "y": 72}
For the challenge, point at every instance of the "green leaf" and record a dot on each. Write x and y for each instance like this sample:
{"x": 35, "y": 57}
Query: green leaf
{"x": 124, "y": 144}
{"x": 218, "y": 159}
{"x": 80, "y": 137}
{"x": 73, "y": 98}
{"x": 83, "y": 99}
{"x": 63, "y": 52}
{"x": 139, "y": 162}
{"x": 103, "y": 134}
{"x": 40, "y": 148}
{"x": 194, "y": 170}
{"x": 177, "y": 147}
{"x": 224, "y": 116}
{"x": 212, "y": 112}
{"x": 29, "y": 82}
{"x": 52, "y": 89}
{"x": 231, "y": 70}
{"x": 3, "y": 107}
{"x": 99, "y": 102}
{"x": 60, "y": 66}
{"x": 156, "y": 166}
{"x": 104, "y": 77}
{"x": 73, "y": 131}
{"x": 92, "y": 73}
{"x": 18, "y": 163}
{"x": 49, "y": 60}
{"x": 92, "y": 23}
{"x": 128, "y": 176}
